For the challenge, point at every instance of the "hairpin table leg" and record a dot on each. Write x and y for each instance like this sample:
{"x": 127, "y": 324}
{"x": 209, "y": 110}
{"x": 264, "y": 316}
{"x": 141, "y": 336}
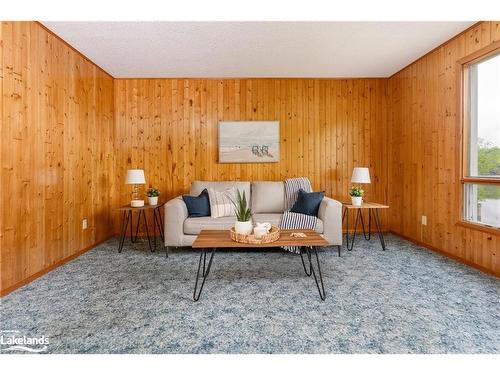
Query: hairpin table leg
{"x": 154, "y": 229}
{"x": 132, "y": 240}
{"x": 160, "y": 224}
{"x": 350, "y": 247}
{"x": 367, "y": 237}
{"x": 318, "y": 278}
{"x": 308, "y": 272}
{"x": 377, "y": 223}
{"x": 137, "y": 227}
{"x": 204, "y": 273}
{"x": 147, "y": 230}
{"x": 123, "y": 231}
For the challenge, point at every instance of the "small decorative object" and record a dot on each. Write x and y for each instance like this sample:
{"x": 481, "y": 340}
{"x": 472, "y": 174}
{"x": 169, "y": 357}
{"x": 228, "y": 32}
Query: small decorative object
{"x": 298, "y": 235}
{"x": 261, "y": 229}
{"x": 153, "y": 194}
{"x": 135, "y": 177}
{"x": 249, "y": 141}
{"x": 360, "y": 175}
{"x": 356, "y": 194}
{"x": 243, "y": 223}
{"x": 273, "y": 235}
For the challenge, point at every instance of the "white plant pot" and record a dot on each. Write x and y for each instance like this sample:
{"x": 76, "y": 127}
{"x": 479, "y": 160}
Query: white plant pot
{"x": 153, "y": 201}
{"x": 243, "y": 227}
{"x": 357, "y": 201}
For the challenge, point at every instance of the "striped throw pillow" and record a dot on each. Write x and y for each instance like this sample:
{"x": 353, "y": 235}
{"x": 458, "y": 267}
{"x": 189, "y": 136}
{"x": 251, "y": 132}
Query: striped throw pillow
{"x": 221, "y": 202}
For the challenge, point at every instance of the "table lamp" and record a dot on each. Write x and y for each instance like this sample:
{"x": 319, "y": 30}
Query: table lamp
{"x": 135, "y": 177}
{"x": 360, "y": 175}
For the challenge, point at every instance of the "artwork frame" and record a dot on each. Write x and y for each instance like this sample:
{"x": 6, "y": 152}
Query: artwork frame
{"x": 249, "y": 142}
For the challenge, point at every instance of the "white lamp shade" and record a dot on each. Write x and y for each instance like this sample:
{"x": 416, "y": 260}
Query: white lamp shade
{"x": 135, "y": 176}
{"x": 361, "y": 175}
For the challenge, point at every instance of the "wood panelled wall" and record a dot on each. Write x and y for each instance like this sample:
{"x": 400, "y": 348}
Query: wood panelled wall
{"x": 57, "y": 162}
{"x": 69, "y": 133}
{"x": 424, "y": 158}
{"x": 169, "y": 128}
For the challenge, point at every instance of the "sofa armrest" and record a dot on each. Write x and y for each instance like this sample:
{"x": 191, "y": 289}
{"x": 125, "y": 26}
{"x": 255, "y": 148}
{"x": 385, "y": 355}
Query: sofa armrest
{"x": 330, "y": 212}
{"x": 175, "y": 214}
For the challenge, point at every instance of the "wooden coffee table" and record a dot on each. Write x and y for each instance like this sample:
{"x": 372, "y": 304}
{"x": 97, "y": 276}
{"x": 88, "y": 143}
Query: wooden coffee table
{"x": 211, "y": 240}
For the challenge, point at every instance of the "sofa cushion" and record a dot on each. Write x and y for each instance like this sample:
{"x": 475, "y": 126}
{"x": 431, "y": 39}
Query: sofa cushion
{"x": 308, "y": 203}
{"x": 268, "y": 197}
{"x": 197, "y": 206}
{"x": 198, "y": 186}
{"x": 222, "y": 202}
{"x": 194, "y": 225}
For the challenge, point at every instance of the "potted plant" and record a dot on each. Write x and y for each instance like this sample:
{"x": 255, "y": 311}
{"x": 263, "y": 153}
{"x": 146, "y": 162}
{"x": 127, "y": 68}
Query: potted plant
{"x": 243, "y": 223}
{"x": 356, "y": 194}
{"x": 153, "y": 194}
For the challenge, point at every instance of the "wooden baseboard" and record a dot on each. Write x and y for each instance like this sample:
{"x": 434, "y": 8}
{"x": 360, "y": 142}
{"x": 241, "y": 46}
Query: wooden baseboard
{"x": 360, "y": 231}
{"x": 447, "y": 254}
{"x": 59, "y": 263}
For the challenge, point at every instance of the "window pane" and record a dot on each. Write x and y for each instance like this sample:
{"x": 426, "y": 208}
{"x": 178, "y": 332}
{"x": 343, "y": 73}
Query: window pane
{"x": 482, "y": 204}
{"x": 484, "y": 137}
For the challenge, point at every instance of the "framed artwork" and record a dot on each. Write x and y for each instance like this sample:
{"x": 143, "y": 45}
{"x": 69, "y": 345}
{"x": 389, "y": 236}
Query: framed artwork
{"x": 249, "y": 141}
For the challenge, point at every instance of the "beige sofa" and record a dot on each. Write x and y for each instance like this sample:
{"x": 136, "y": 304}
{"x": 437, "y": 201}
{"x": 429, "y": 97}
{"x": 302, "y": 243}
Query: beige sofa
{"x": 267, "y": 201}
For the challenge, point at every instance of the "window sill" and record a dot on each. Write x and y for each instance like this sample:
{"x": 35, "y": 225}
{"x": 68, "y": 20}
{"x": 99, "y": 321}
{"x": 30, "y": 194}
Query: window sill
{"x": 479, "y": 227}
{"x": 481, "y": 180}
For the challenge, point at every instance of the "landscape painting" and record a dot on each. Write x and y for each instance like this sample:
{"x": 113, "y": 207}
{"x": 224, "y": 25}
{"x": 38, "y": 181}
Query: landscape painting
{"x": 249, "y": 141}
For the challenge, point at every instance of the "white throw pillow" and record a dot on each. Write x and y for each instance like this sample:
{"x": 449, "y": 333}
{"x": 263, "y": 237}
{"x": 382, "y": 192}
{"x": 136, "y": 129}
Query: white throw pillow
{"x": 221, "y": 202}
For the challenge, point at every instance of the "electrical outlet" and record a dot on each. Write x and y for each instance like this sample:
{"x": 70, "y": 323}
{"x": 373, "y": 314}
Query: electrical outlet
{"x": 85, "y": 224}
{"x": 424, "y": 220}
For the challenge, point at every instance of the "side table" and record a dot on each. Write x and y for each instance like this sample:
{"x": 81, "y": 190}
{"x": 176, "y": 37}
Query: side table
{"x": 127, "y": 217}
{"x": 372, "y": 211}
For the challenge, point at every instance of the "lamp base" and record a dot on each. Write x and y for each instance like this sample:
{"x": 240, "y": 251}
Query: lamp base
{"x": 136, "y": 203}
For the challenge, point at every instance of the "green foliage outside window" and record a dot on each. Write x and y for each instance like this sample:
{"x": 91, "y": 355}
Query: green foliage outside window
{"x": 488, "y": 165}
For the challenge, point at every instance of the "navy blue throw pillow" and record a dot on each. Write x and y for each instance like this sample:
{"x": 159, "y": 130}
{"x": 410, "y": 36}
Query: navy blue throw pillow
{"x": 197, "y": 206}
{"x": 308, "y": 203}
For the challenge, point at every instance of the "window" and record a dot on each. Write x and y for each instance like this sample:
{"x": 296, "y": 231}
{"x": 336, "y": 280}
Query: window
{"x": 481, "y": 134}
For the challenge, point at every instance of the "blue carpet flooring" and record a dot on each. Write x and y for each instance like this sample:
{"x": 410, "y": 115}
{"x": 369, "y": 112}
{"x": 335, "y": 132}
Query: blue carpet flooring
{"x": 404, "y": 300}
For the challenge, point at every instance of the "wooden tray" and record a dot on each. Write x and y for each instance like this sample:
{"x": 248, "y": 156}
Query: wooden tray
{"x": 273, "y": 235}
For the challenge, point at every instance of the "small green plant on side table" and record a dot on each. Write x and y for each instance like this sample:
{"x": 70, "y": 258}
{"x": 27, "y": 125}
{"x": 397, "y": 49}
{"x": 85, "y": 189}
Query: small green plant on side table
{"x": 356, "y": 194}
{"x": 153, "y": 194}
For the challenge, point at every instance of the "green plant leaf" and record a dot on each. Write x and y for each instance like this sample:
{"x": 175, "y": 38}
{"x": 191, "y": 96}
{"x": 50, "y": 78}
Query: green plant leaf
{"x": 152, "y": 192}
{"x": 243, "y": 212}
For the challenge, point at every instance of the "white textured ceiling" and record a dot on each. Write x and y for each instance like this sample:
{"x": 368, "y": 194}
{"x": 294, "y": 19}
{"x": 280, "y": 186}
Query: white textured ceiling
{"x": 254, "y": 49}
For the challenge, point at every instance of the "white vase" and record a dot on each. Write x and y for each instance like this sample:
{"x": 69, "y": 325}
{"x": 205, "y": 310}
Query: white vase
{"x": 243, "y": 227}
{"x": 357, "y": 201}
{"x": 153, "y": 201}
